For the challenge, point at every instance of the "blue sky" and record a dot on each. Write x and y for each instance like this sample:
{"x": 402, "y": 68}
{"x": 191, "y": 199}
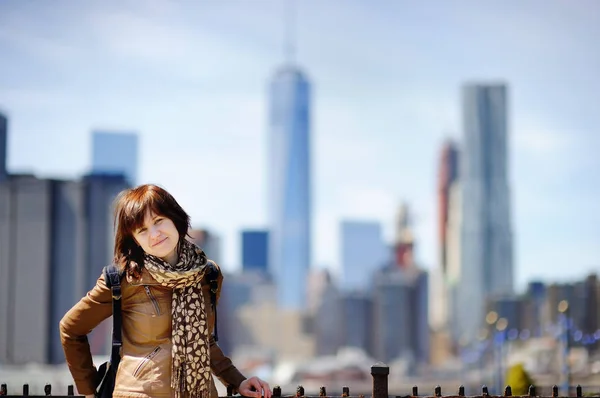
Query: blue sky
{"x": 191, "y": 77}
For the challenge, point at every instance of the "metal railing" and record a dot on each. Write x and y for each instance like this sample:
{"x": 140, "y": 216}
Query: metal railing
{"x": 379, "y": 372}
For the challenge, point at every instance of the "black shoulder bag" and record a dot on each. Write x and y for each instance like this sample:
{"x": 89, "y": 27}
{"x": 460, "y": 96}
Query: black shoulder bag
{"x": 107, "y": 372}
{"x": 213, "y": 281}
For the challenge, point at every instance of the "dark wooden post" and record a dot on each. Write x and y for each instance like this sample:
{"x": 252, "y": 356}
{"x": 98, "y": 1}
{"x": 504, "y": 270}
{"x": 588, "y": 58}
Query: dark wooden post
{"x": 508, "y": 391}
{"x": 380, "y": 372}
{"x": 70, "y": 390}
{"x": 532, "y": 390}
{"x": 25, "y": 390}
{"x": 578, "y": 390}
{"x": 47, "y": 389}
{"x": 3, "y": 389}
{"x": 345, "y": 391}
{"x": 277, "y": 391}
{"x": 555, "y": 391}
{"x": 322, "y": 391}
{"x": 461, "y": 391}
{"x": 437, "y": 391}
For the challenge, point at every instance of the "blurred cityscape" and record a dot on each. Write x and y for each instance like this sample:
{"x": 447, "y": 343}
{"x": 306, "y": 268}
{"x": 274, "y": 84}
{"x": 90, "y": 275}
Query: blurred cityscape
{"x": 461, "y": 320}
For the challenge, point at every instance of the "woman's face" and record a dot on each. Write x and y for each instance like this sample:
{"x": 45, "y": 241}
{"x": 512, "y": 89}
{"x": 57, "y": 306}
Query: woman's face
{"x": 158, "y": 237}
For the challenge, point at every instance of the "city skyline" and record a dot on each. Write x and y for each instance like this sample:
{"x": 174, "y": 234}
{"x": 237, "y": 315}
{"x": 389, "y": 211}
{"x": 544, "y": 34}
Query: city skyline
{"x": 193, "y": 81}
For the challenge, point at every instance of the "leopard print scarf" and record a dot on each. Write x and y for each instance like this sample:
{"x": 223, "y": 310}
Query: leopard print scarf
{"x": 191, "y": 374}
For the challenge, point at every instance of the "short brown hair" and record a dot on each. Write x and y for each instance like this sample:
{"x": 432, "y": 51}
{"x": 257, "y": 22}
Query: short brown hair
{"x": 131, "y": 206}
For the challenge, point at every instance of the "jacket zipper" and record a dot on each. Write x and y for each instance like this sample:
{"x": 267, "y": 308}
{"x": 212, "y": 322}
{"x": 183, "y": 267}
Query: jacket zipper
{"x": 153, "y": 299}
{"x": 145, "y": 361}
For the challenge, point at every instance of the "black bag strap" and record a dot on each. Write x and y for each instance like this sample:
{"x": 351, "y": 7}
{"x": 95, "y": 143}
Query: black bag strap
{"x": 212, "y": 276}
{"x": 112, "y": 278}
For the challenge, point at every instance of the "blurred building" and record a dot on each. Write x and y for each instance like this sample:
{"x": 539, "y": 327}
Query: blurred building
{"x": 442, "y": 288}
{"x": 404, "y": 241}
{"x": 250, "y": 321}
{"x": 208, "y": 241}
{"x": 533, "y": 311}
{"x": 255, "y": 250}
{"x": 357, "y": 320}
{"x": 512, "y": 308}
{"x": 328, "y": 320}
{"x": 3, "y": 147}
{"x": 486, "y": 253}
{"x": 583, "y": 299}
{"x": 447, "y": 176}
{"x": 240, "y": 291}
{"x": 400, "y": 315}
{"x": 289, "y": 196}
{"x": 115, "y": 153}
{"x": 319, "y": 282}
{"x": 362, "y": 253}
{"x": 55, "y": 238}
{"x": 452, "y": 272}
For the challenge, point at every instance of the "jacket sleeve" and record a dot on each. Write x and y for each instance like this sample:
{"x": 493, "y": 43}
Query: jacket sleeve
{"x": 77, "y": 323}
{"x": 223, "y": 368}
{"x": 220, "y": 364}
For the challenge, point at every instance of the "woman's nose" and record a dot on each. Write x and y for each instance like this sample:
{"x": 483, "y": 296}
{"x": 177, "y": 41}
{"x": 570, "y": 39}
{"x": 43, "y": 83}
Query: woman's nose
{"x": 154, "y": 232}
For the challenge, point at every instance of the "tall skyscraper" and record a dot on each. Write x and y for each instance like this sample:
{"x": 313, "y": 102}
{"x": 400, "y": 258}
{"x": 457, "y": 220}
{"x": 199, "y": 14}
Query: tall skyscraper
{"x": 115, "y": 153}
{"x": 289, "y": 184}
{"x": 486, "y": 253}
{"x": 3, "y": 147}
{"x": 255, "y": 250}
{"x": 363, "y": 252}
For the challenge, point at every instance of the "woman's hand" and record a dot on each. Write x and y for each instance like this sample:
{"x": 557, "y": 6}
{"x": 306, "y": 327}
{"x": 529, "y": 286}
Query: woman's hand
{"x": 254, "y": 387}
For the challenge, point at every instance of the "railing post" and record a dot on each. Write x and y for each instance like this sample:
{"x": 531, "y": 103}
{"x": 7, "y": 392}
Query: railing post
{"x": 3, "y": 389}
{"x": 578, "y": 391}
{"x": 70, "y": 390}
{"x": 25, "y": 390}
{"x": 277, "y": 391}
{"x": 461, "y": 391}
{"x": 345, "y": 391}
{"x": 380, "y": 372}
{"x": 508, "y": 391}
{"x": 415, "y": 390}
{"x": 47, "y": 389}
{"x": 438, "y": 391}
{"x": 300, "y": 391}
{"x": 484, "y": 391}
{"x": 322, "y": 391}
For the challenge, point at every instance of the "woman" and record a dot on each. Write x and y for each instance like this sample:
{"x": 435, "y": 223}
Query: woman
{"x": 168, "y": 349}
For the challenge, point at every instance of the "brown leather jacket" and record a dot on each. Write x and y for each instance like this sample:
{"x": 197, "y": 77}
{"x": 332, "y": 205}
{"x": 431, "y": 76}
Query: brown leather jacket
{"x": 145, "y": 367}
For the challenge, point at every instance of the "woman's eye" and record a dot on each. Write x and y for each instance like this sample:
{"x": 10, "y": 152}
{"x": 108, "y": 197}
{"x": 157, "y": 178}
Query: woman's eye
{"x": 158, "y": 221}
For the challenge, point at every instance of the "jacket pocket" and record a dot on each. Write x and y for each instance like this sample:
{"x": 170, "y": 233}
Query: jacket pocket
{"x": 153, "y": 300}
{"x": 145, "y": 361}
